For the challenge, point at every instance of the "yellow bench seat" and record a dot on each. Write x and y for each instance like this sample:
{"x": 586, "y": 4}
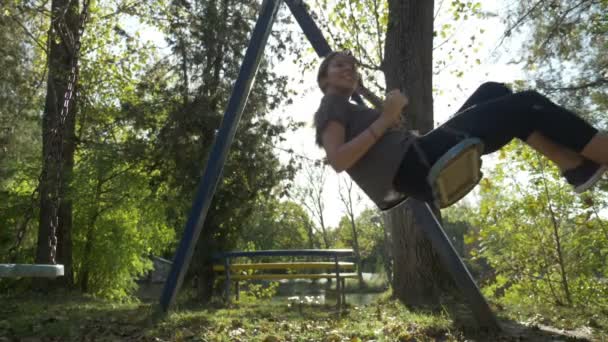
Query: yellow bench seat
{"x": 287, "y": 266}
{"x": 288, "y": 276}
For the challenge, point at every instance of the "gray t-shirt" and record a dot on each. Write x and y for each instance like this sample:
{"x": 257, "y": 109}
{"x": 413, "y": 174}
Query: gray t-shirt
{"x": 375, "y": 171}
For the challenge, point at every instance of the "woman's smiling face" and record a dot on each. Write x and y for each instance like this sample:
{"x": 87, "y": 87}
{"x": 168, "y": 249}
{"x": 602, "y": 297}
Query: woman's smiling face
{"x": 342, "y": 76}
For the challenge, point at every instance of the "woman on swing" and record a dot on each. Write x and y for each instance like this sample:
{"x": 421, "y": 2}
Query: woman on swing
{"x": 371, "y": 147}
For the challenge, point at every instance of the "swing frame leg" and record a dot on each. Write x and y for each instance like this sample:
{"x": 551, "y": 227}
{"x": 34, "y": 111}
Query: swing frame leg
{"x": 424, "y": 215}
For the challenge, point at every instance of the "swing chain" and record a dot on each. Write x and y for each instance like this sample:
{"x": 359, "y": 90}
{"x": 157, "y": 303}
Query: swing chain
{"x": 57, "y": 134}
{"x": 73, "y": 44}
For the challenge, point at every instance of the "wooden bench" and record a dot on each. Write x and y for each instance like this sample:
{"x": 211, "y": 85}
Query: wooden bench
{"x": 332, "y": 269}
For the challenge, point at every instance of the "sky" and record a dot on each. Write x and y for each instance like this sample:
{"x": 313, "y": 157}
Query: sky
{"x": 452, "y": 91}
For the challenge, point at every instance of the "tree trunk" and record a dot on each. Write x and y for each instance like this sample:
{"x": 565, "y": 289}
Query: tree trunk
{"x": 58, "y": 154}
{"x": 417, "y": 274}
{"x": 558, "y": 245}
{"x": 64, "y": 252}
{"x": 310, "y": 233}
{"x": 387, "y": 252}
{"x": 202, "y": 266}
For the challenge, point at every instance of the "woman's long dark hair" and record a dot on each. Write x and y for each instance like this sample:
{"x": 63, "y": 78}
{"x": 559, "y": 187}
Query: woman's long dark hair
{"x": 319, "y": 118}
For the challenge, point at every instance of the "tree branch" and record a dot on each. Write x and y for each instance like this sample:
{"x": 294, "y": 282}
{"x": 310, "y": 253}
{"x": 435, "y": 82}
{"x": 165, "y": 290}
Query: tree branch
{"x": 595, "y": 83}
{"x": 29, "y": 34}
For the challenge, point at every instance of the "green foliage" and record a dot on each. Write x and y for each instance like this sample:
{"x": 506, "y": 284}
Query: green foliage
{"x": 20, "y": 142}
{"x": 565, "y": 51}
{"x": 360, "y": 26}
{"x": 146, "y": 121}
{"x": 253, "y": 292}
{"x": 372, "y": 243}
{"x": 208, "y": 60}
{"x": 115, "y": 230}
{"x": 545, "y": 245}
{"x": 276, "y": 225}
{"x": 118, "y": 219}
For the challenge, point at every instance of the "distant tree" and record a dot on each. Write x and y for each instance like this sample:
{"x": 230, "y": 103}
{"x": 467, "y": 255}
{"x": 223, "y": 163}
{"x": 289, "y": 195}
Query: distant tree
{"x": 310, "y": 194}
{"x": 208, "y": 39}
{"x": 276, "y": 225}
{"x": 545, "y": 244}
{"x": 21, "y": 97}
{"x": 564, "y": 51}
{"x": 372, "y": 240}
{"x": 350, "y": 199}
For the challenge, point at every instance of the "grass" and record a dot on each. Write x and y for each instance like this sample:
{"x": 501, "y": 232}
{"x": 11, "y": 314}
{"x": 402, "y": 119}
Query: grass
{"x": 568, "y": 318}
{"x": 69, "y": 317}
{"x": 76, "y": 318}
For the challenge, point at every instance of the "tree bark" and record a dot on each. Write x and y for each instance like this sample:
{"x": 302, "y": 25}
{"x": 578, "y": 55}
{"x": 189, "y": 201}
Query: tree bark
{"x": 58, "y": 154}
{"x": 417, "y": 275}
{"x": 310, "y": 233}
{"x": 64, "y": 252}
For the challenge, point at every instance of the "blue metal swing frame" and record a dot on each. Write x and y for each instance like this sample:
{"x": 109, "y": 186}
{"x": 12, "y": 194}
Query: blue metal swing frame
{"x": 219, "y": 152}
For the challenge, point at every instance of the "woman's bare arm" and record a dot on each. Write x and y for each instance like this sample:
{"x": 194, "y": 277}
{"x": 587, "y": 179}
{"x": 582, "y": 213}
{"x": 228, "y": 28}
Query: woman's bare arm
{"x": 341, "y": 156}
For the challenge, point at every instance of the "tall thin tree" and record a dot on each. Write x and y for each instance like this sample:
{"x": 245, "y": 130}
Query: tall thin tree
{"x": 348, "y": 198}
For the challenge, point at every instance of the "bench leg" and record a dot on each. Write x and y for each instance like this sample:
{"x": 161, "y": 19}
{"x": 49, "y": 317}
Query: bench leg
{"x": 343, "y": 291}
{"x": 227, "y": 279}
{"x": 339, "y": 290}
{"x": 227, "y": 290}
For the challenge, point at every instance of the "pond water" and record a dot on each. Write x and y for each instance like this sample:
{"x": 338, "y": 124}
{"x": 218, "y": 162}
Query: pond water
{"x": 297, "y": 291}
{"x": 320, "y": 292}
{"x": 355, "y": 299}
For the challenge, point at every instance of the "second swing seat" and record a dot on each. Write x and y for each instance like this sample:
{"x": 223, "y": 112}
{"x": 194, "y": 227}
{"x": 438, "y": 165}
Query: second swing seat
{"x": 30, "y": 270}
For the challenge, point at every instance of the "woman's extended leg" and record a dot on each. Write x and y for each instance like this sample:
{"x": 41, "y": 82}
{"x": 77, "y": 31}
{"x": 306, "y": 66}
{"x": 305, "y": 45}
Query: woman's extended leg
{"x": 438, "y": 142}
{"x": 552, "y": 130}
{"x": 520, "y": 115}
{"x": 597, "y": 149}
{"x": 564, "y": 158}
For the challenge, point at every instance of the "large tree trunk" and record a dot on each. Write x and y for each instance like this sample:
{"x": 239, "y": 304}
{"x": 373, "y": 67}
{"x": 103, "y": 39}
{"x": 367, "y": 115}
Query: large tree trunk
{"x": 202, "y": 265}
{"x": 417, "y": 274}
{"x": 58, "y": 154}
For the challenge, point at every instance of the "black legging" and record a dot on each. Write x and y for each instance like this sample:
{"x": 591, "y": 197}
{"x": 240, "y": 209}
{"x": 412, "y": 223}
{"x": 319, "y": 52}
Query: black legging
{"x": 495, "y": 115}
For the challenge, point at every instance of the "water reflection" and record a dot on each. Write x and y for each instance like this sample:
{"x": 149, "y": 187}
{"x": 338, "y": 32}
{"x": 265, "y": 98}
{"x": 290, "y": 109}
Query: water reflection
{"x": 356, "y": 299}
{"x": 320, "y": 292}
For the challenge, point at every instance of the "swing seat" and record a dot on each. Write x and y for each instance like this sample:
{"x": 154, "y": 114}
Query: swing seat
{"x": 457, "y": 172}
{"x": 30, "y": 271}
